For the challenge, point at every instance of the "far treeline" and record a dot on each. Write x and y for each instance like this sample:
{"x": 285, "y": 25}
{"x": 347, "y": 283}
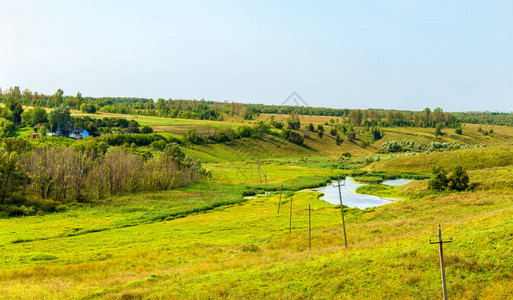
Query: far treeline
{"x": 211, "y": 110}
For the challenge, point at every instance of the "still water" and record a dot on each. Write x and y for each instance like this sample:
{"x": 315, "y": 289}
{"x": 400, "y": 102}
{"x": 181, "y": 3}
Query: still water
{"x": 351, "y": 198}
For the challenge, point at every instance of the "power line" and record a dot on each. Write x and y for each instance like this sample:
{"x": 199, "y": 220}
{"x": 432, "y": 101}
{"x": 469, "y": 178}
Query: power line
{"x": 413, "y": 220}
{"x": 451, "y": 222}
{"x": 402, "y": 229}
{"x": 503, "y": 224}
{"x": 475, "y": 217}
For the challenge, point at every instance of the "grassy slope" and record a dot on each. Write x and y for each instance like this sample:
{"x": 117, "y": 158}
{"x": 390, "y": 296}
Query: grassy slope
{"x": 210, "y": 254}
{"x": 470, "y": 159}
{"x": 121, "y": 252}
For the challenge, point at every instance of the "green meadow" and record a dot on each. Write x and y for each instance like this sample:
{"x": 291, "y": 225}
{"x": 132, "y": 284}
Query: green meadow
{"x": 223, "y": 237}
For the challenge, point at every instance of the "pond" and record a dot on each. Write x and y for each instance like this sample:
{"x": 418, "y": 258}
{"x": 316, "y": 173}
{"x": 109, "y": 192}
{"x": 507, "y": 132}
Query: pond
{"x": 352, "y": 199}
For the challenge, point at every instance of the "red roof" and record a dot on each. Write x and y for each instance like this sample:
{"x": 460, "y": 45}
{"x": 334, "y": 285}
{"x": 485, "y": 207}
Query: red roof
{"x": 34, "y": 135}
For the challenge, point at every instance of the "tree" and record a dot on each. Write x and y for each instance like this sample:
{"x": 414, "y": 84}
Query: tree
{"x": 78, "y": 100}
{"x": 58, "y": 98}
{"x": 338, "y": 140}
{"x": 147, "y": 129}
{"x": 356, "y": 117}
{"x": 376, "y": 133}
{"x": 43, "y": 131}
{"x": 426, "y": 116}
{"x": 438, "y": 181}
{"x": 320, "y": 134}
{"x": 60, "y": 119}
{"x": 92, "y": 129}
{"x": 7, "y": 128}
{"x": 88, "y": 108}
{"x": 17, "y": 110}
{"x": 6, "y": 113}
{"x": 293, "y": 137}
{"x": 459, "y": 179}
{"x": 438, "y": 130}
{"x": 10, "y": 175}
{"x": 191, "y": 136}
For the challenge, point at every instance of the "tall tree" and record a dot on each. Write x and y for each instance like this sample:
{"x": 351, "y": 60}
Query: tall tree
{"x": 60, "y": 119}
{"x": 16, "y": 109}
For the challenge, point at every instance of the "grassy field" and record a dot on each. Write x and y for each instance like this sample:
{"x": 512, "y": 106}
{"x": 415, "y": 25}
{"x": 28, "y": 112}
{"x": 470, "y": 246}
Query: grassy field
{"x": 244, "y": 250}
{"x": 206, "y": 240}
{"x": 470, "y": 159}
{"x": 176, "y": 126}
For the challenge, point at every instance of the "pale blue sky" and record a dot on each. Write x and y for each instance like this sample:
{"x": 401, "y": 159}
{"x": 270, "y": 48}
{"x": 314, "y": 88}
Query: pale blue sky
{"x": 348, "y": 54}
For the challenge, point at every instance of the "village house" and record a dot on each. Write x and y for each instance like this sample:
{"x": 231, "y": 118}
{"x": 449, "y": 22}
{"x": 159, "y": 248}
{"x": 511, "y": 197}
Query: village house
{"x": 78, "y": 133}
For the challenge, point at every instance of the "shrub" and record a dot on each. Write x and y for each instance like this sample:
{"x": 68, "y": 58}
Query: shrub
{"x": 339, "y": 140}
{"x": 458, "y": 131}
{"x": 369, "y": 179}
{"x": 439, "y": 181}
{"x": 146, "y": 129}
{"x": 459, "y": 179}
{"x": 293, "y": 137}
{"x": 391, "y": 146}
{"x": 250, "y": 248}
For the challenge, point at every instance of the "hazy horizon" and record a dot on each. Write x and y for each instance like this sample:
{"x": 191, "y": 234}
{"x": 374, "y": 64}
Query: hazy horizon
{"x": 390, "y": 55}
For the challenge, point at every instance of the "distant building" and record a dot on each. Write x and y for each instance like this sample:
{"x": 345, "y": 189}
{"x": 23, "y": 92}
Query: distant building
{"x": 34, "y": 135}
{"x": 78, "y": 133}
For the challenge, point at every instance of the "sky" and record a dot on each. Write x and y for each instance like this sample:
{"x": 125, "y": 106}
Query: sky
{"x": 457, "y": 55}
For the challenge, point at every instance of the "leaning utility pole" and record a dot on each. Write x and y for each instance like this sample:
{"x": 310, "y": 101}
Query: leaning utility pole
{"x": 342, "y": 208}
{"x": 442, "y": 266}
{"x": 279, "y": 203}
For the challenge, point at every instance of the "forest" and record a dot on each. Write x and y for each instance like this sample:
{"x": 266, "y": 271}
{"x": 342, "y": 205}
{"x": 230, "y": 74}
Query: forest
{"x": 211, "y": 110}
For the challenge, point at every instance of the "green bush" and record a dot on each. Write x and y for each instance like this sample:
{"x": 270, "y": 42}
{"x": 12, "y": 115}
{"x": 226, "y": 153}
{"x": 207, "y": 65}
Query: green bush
{"x": 438, "y": 181}
{"x": 459, "y": 179}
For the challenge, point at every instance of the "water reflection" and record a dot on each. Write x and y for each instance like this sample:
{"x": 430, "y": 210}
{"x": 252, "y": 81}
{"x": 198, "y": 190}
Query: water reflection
{"x": 351, "y": 198}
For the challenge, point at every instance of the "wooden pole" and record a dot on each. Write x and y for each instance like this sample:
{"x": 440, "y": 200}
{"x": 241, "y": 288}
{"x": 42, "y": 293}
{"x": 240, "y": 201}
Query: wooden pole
{"x": 442, "y": 265}
{"x": 258, "y": 170}
{"x": 290, "y": 216}
{"x": 279, "y": 203}
{"x": 342, "y": 211}
{"x": 309, "y": 228}
{"x": 265, "y": 176}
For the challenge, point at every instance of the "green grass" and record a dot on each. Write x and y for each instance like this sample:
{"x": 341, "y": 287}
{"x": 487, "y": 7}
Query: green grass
{"x": 24, "y": 132}
{"x": 245, "y": 251}
{"x": 205, "y": 241}
{"x": 470, "y": 159}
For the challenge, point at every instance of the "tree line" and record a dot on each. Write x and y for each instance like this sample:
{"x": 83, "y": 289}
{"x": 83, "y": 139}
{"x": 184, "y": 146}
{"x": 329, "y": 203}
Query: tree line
{"x": 211, "y": 110}
{"x": 46, "y": 175}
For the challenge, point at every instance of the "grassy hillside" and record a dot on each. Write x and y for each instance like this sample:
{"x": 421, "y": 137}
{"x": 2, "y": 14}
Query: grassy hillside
{"x": 205, "y": 240}
{"x": 245, "y": 251}
{"x": 470, "y": 159}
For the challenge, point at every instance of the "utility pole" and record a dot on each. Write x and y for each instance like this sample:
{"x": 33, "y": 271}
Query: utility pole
{"x": 279, "y": 203}
{"x": 442, "y": 266}
{"x": 342, "y": 208}
{"x": 309, "y": 228}
{"x": 290, "y": 217}
{"x": 265, "y": 176}
{"x": 258, "y": 171}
